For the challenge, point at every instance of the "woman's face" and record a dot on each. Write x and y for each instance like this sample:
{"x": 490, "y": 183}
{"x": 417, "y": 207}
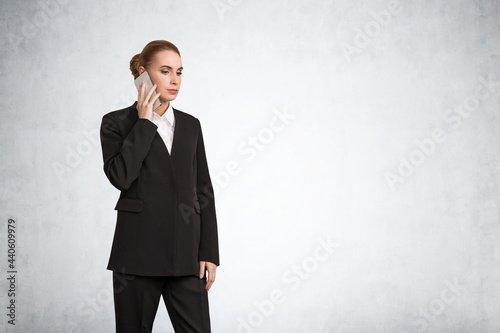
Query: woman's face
{"x": 165, "y": 72}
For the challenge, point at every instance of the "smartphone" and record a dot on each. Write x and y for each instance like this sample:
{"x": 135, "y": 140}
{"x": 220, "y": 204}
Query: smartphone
{"x": 145, "y": 77}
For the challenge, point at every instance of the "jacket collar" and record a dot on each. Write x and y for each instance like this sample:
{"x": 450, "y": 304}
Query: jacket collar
{"x": 134, "y": 116}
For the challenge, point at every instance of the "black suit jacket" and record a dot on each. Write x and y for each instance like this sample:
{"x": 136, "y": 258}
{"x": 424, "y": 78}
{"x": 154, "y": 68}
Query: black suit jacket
{"x": 166, "y": 220}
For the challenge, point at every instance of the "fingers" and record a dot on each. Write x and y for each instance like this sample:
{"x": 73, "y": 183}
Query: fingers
{"x": 141, "y": 92}
{"x": 145, "y": 101}
{"x": 211, "y": 268}
{"x": 150, "y": 93}
{"x": 202, "y": 269}
{"x": 144, "y": 98}
{"x": 155, "y": 97}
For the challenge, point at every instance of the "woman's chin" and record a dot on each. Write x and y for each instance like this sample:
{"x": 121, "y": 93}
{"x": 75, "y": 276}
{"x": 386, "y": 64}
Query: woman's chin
{"x": 166, "y": 100}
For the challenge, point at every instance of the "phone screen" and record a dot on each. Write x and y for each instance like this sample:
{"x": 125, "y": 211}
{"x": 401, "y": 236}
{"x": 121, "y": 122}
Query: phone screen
{"x": 145, "y": 77}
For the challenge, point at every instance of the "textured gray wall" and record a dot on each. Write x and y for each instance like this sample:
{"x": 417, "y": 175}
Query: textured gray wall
{"x": 353, "y": 145}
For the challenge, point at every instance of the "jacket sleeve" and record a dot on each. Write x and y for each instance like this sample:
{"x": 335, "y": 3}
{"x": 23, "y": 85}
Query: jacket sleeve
{"x": 209, "y": 244}
{"x": 123, "y": 153}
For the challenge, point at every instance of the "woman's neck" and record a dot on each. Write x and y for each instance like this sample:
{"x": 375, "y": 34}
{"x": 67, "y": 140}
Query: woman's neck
{"x": 161, "y": 110}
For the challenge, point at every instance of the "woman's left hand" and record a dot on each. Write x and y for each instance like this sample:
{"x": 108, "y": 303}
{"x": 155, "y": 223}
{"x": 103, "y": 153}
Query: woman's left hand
{"x": 211, "y": 268}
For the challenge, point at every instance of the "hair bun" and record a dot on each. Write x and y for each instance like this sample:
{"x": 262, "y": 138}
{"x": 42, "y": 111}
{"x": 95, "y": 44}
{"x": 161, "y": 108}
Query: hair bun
{"x": 135, "y": 64}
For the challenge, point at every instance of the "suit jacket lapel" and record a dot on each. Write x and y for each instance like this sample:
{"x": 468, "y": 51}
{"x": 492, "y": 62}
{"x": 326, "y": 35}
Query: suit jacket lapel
{"x": 134, "y": 116}
{"x": 177, "y": 131}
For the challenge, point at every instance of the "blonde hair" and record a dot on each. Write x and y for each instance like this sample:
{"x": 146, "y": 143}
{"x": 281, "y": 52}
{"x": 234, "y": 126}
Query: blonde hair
{"x": 147, "y": 56}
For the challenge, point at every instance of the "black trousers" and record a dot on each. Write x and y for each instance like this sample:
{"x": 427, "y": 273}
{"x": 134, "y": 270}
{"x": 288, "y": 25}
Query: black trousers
{"x": 137, "y": 298}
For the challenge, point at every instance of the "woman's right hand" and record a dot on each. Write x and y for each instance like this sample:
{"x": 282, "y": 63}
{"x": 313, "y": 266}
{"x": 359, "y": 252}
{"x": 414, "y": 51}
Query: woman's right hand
{"x": 145, "y": 102}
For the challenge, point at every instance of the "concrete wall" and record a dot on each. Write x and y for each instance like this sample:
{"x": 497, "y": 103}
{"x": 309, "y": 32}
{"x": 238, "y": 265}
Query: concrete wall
{"x": 353, "y": 145}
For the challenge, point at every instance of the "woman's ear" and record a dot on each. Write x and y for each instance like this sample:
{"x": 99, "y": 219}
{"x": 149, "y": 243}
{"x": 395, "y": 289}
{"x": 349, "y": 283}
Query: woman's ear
{"x": 141, "y": 70}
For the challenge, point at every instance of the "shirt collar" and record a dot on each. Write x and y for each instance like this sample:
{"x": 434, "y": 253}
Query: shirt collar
{"x": 168, "y": 115}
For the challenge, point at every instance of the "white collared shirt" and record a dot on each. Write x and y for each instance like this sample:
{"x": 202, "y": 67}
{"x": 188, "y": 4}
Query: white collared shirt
{"x": 166, "y": 126}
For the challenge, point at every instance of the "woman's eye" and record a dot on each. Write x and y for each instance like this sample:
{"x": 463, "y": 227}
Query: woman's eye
{"x": 164, "y": 72}
{"x": 179, "y": 73}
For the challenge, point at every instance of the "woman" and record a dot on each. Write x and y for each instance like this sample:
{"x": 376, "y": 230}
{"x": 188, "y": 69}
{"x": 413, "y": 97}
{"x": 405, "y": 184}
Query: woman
{"x": 165, "y": 240}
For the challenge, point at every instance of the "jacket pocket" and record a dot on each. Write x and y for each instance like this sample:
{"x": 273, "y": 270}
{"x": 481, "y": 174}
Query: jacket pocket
{"x": 129, "y": 205}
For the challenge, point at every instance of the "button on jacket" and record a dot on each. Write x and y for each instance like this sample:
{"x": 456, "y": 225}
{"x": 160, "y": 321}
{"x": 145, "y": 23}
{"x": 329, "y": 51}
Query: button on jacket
{"x": 166, "y": 221}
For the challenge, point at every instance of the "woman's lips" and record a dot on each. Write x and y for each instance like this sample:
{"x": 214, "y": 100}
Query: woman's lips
{"x": 172, "y": 91}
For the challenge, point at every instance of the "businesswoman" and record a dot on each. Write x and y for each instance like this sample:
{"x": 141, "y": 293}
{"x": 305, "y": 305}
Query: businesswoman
{"x": 165, "y": 241}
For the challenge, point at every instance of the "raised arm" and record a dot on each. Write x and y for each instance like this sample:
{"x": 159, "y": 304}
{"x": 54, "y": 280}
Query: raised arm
{"x": 123, "y": 153}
